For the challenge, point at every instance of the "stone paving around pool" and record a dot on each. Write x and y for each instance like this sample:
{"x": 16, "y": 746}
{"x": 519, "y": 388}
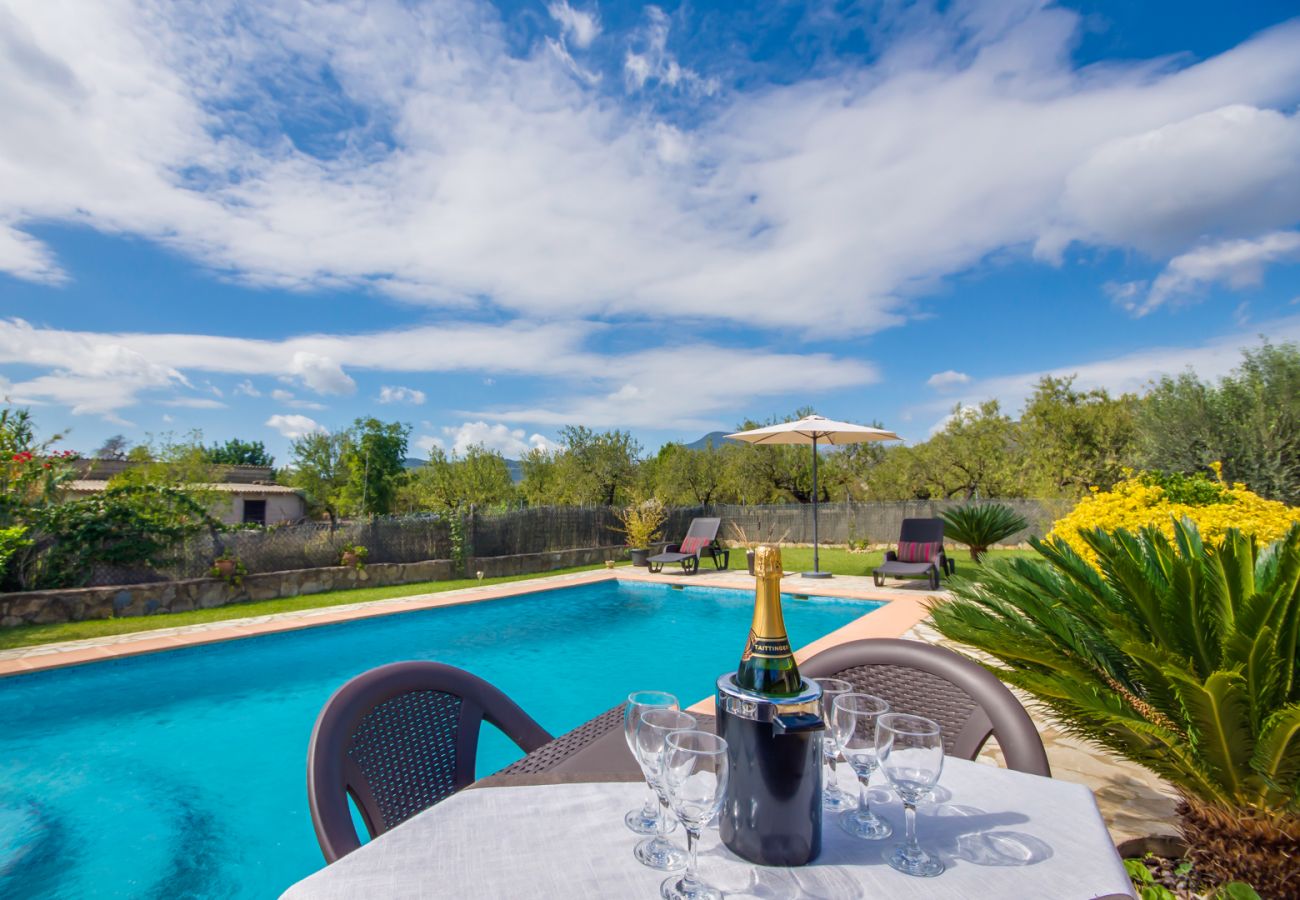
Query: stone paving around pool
{"x": 1133, "y": 802}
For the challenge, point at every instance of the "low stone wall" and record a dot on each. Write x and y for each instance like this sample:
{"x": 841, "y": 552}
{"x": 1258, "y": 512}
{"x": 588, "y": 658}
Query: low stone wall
{"x": 80, "y": 604}
{"x": 528, "y": 563}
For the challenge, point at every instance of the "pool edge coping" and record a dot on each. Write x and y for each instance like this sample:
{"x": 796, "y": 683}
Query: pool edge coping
{"x": 901, "y": 610}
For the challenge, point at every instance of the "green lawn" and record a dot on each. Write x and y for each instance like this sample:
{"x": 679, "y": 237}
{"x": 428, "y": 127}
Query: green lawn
{"x": 795, "y": 559}
{"x": 839, "y": 561}
{"x": 28, "y": 635}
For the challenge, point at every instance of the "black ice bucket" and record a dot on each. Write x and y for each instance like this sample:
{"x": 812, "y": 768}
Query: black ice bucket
{"x": 772, "y": 813}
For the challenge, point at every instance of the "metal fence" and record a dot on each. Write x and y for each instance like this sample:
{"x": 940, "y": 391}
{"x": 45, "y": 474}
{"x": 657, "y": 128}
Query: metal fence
{"x": 545, "y": 529}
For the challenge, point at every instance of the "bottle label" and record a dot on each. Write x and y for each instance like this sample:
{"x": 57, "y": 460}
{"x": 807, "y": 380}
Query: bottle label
{"x": 767, "y": 648}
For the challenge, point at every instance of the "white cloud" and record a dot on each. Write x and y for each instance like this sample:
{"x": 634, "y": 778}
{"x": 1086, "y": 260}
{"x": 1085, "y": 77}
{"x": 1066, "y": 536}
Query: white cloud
{"x": 511, "y": 443}
{"x": 246, "y": 388}
{"x": 398, "y": 394}
{"x": 1233, "y": 170}
{"x": 653, "y": 63}
{"x": 473, "y": 175}
{"x": 943, "y": 381}
{"x": 193, "y": 403}
{"x": 579, "y": 26}
{"x": 321, "y": 374}
{"x": 555, "y": 351}
{"x": 1238, "y": 264}
{"x": 294, "y": 426}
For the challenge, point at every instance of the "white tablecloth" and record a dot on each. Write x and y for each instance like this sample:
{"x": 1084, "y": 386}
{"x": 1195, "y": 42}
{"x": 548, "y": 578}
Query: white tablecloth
{"x": 1002, "y": 834}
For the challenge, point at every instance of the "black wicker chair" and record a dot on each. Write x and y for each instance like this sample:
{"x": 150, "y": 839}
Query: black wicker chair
{"x": 918, "y": 535}
{"x": 967, "y": 701}
{"x": 397, "y": 740}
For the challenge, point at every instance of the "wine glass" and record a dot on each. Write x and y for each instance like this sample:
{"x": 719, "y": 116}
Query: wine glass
{"x": 695, "y": 779}
{"x": 834, "y": 798}
{"x": 855, "y": 734}
{"x": 910, "y": 749}
{"x": 651, "y": 734}
{"x": 646, "y": 819}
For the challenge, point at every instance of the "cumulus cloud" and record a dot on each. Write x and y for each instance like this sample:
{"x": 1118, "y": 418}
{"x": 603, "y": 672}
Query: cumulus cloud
{"x": 942, "y": 381}
{"x": 294, "y": 426}
{"x": 511, "y": 443}
{"x": 321, "y": 374}
{"x": 579, "y": 26}
{"x": 398, "y": 394}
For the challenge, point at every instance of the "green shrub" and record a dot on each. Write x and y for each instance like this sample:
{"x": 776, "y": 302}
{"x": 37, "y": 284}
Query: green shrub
{"x": 1177, "y": 655}
{"x": 981, "y": 525}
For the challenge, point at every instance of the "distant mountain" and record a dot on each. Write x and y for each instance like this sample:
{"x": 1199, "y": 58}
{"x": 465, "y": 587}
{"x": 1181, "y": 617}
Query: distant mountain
{"x": 516, "y": 470}
{"x": 718, "y": 438}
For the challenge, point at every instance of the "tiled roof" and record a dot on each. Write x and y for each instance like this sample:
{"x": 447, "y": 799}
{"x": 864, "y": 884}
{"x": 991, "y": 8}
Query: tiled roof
{"x": 85, "y": 486}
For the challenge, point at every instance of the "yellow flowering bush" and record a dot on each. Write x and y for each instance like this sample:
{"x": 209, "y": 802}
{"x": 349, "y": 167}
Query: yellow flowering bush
{"x": 1151, "y": 499}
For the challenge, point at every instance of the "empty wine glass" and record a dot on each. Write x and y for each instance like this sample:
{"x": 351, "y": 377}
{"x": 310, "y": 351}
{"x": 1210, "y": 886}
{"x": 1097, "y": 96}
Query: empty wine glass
{"x": 834, "y": 797}
{"x": 651, "y": 734}
{"x": 910, "y": 749}
{"x": 855, "y": 734}
{"x": 646, "y": 819}
{"x": 695, "y": 779}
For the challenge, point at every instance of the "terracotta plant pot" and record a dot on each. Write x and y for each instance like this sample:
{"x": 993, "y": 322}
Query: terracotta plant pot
{"x": 639, "y": 557}
{"x": 225, "y": 567}
{"x": 350, "y": 559}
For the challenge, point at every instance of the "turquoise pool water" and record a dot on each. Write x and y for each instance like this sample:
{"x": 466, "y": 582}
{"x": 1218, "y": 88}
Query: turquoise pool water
{"x": 181, "y": 774}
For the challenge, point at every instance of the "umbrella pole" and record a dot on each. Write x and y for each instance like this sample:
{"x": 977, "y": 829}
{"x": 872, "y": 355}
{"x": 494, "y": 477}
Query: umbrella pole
{"x": 816, "y": 572}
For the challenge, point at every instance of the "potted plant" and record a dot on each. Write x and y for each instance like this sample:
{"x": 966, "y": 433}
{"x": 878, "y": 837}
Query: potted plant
{"x": 640, "y": 525}
{"x": 353, "y": 556}
{"x": 229, "y": 569}
{"x": 981, "y": 525}
{"x": 1177, "y": 654}
{"x": 741, "y": 538}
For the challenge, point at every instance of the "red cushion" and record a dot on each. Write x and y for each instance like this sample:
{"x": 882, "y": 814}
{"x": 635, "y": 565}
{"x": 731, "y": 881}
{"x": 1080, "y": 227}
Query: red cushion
{"x": 918, "y": 551}
{"x": 693, "y": 545}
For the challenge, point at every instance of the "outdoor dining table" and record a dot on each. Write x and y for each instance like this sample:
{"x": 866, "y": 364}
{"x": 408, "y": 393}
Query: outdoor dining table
{"x": 560, "y": 834}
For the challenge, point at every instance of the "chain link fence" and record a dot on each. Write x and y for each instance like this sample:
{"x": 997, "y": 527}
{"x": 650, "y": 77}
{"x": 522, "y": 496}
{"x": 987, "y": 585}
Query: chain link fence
{"x": 545, "y": 529}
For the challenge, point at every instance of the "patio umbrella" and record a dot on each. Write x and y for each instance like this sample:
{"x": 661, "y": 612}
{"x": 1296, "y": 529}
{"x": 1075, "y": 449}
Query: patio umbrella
{"x": 813, "y": 430}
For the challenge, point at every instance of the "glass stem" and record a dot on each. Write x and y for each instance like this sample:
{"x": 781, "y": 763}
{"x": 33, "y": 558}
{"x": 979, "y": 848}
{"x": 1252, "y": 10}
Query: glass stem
{"x": 650, "y": 808}
{"x": 661, "y": 825}
{"x": 689, "y": 880}
{"x": 864, "y": 802}
{"x": 909, "y": 816}
{"x": 830, "y": 763}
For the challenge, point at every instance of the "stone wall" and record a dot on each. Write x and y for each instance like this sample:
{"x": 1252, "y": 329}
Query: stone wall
{"x": 80, "y": 604}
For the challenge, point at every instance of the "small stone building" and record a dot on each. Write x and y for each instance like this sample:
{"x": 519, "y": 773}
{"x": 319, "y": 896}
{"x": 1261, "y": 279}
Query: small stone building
{"x": 248, "y": 494}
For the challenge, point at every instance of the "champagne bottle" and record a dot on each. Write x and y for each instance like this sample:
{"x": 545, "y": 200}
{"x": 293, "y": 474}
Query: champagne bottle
{"x": 768, "y": 666}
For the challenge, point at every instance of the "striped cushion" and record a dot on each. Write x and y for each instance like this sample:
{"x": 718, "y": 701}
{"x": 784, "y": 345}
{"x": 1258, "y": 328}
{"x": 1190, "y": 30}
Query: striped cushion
{"x": 693, "y": 544}
{"x": 918, "y": 551}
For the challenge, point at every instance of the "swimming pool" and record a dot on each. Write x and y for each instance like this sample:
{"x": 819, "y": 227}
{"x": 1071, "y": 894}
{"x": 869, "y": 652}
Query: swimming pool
{"x": 181, "y": 774}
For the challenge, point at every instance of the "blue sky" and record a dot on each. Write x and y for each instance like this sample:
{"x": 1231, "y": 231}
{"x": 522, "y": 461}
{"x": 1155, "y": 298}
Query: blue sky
{"x": 492, "y": 219}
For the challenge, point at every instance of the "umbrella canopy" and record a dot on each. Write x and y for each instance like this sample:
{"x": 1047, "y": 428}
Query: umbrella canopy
{"x": 814, "y": 430}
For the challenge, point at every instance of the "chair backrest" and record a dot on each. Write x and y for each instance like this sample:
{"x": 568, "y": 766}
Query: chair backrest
{"x": 921, "y": 531}
{"x": 397, "y": 740}
{"x": 967, "y": 701}
{"x": 701, "y": 533}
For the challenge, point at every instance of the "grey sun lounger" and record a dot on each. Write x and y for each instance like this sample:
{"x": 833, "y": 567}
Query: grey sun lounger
{"x": 701, "y": 540}
{"x": 920, "y": 554}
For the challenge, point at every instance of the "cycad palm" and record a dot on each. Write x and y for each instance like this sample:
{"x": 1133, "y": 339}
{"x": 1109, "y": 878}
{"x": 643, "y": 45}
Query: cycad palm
{"x": 1179, "y": 656}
